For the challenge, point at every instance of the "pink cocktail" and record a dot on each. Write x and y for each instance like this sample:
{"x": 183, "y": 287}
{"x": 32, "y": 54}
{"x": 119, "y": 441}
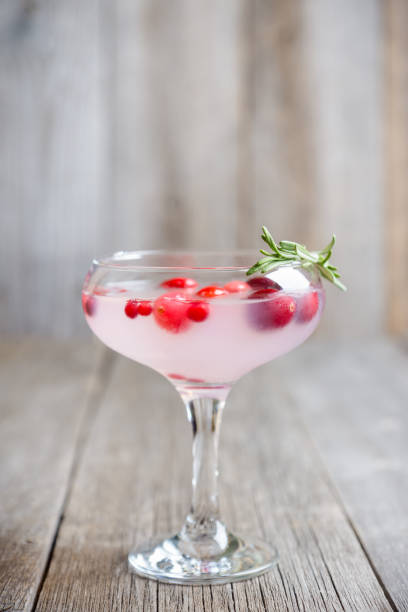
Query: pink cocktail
{"x": 201, "y": 322}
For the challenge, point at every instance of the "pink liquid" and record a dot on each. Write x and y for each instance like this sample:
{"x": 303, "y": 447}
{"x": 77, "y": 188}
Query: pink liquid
{"x": 228, "y": 344}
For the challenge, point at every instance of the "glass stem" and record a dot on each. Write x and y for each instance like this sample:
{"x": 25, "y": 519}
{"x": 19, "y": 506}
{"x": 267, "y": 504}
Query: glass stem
{"x": 203, "y": 534}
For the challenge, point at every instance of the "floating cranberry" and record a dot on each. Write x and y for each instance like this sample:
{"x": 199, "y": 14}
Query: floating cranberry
{"x": 180, "y": 283}
{"x": 261, "y": 294}
{"x": 145, "y": 308}
{"x": 131, "y": 308}
{"x": 170, "y": 311}
{"x": 88, "y": 305}
{"x": 198, "y": 311}
{"x": 101, "y": 290}
{"x": 307, "y": 307}
{"x": 184, "y": 378}
{"x": 212, "y": 291}
{"x": 237, "y": 286}
{"x": 263, "y": 282}
{"x": 176, "y": 376}
{"x": 277, "y": 311}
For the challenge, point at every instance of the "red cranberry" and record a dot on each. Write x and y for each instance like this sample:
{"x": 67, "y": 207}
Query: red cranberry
{"x": 145, "y": 308}
{"x": 101, "y": 290}
{"x": 212, "y": 291}
{"x": 180, "y": 377}
{"x": 237, "y": 286}
{"x": 261, "y": 294}
{"x": 176, "y": 376}
{"x": 198, "y": 311}
{"x": 307, "y": 307}
{"x": 180, "y": 283}
{"x": 88, "y": 304}
{"x": 131, "y": 309}
{"x": 170, "y": 311}
{"x": 273, "y": 312}
{"x": 263, "y": 282}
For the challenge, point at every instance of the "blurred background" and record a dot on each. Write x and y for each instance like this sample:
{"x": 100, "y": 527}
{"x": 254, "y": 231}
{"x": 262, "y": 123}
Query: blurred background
{"x": 149, "y": 124}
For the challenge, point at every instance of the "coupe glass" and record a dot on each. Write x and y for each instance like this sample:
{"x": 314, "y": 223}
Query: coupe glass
{"x": 199, "y": 321}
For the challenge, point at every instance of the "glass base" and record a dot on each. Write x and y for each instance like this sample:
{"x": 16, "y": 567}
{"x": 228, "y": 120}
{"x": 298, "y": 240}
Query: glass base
{"x": 167, "y": 562}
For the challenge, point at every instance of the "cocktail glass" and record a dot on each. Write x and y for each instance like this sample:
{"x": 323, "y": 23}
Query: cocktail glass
{"x": 198, "y": 320}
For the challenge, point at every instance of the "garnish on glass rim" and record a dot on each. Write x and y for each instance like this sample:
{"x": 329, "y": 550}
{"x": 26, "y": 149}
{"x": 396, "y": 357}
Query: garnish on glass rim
{"x": 287, "y": 252}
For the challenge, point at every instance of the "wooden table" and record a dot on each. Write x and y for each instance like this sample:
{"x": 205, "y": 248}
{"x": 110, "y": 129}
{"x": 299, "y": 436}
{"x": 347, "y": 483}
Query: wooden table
{"x": 95, "y": 457}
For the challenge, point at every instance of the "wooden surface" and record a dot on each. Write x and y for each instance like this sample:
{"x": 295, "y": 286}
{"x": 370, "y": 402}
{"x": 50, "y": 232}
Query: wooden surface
{"x": 397, "y": 157}
{"x": 48, "y": 396}
{"x": 95, "y": 457}
{"x": 148, "y": 124}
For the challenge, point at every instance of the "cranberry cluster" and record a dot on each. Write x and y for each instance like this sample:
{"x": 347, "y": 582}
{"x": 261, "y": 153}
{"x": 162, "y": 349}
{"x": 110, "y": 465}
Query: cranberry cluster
{"x": 177, "y": 308}
{"x": 279, "y": 311}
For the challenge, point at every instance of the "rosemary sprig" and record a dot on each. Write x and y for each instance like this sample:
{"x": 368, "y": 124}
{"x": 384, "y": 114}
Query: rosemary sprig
{"x": 287, "y": 252}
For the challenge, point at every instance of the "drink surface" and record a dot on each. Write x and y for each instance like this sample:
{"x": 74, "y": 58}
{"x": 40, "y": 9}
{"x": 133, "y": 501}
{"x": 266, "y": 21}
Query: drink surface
{"x": 199, "y": 336}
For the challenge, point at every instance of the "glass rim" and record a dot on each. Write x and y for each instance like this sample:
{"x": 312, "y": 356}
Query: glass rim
{"x": 117, "y": 261}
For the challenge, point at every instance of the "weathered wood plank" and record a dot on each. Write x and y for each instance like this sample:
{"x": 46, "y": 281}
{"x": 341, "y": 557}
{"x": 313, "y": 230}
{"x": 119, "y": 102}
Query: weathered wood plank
{"x": 281, "y": 136}
{"x": 54, "y": 152}
{"x": 134, "y": 482}
{"x": 354, "y": 403}
{"x": 343, "y": 43}
{"x": 311, "y": 161}
{"x": 175, "y": 122}
{"x": 45, "y": 391}
{"x": 151, "y": 124}
{"x": 396, "y": 97}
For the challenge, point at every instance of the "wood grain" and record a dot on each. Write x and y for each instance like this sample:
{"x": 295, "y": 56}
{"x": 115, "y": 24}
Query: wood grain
{"x": 175, "y": 123}
{"x": 344, "y": 47}
{"x": 45, "y": 401}
{"x": 396, "y": 95}
{"x": 354, "y": 405}
{"x": 146, "y": 124}
{"x": 134, "y": 482}
{"x": 314, "y": 131}
{"x": 283, "y": 153}
{"x": 53, "y": 151}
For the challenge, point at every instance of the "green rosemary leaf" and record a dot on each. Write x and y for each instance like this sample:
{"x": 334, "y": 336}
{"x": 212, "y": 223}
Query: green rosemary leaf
{"x": 253, "y": 269}
{"x": 326, "y": 257}
{"x": 330, "y": 246}
{"x": 267, "y": 237}
{"x": 271, "y": 266}
{"x": 288, "y": 251}
{"x": 303, "y": 253}
{"x": 339, "y": 284}
{"x": 264, "y": 260}
{"x": 284, "y": 256}
{"x": 287, "y": 245}
{"x": 326, "y": 273}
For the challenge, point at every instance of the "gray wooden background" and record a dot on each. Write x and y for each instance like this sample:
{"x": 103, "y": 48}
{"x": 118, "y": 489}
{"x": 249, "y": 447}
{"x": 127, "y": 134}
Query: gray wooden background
{"x": 147, "y": 123}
